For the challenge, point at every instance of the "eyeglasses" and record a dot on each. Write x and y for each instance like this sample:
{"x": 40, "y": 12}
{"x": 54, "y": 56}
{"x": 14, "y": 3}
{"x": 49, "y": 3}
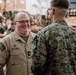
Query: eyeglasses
{"x": 23, "y": 21}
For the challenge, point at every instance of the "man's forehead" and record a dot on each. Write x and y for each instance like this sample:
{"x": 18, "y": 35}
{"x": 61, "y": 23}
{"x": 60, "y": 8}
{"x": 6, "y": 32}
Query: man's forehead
{"x": 21, "y": 16}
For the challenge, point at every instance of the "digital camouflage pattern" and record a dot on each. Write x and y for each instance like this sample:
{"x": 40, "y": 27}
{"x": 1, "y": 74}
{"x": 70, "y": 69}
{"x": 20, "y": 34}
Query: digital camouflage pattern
{"x": 54, "y": 50}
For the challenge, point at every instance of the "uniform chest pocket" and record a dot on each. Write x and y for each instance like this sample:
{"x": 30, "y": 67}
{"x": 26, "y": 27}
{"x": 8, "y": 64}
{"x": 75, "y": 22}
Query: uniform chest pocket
{"x": 15, "y": 52}
{"x": 17, "y": 57}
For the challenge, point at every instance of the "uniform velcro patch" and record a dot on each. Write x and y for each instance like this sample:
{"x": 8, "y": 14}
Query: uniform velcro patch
{"x": 2, "y": 47}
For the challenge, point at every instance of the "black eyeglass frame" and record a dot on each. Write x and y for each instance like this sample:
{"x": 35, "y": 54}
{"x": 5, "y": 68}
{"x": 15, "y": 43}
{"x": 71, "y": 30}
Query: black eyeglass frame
{"x": 23, "y": 21}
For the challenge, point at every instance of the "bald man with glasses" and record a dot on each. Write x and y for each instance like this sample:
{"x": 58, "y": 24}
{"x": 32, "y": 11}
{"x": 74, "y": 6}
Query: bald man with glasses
{"x": 15, "y": 47}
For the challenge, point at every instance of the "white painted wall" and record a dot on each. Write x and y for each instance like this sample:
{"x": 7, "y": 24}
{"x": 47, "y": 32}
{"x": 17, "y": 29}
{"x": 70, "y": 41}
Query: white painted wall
{"x": 37, "y": 6}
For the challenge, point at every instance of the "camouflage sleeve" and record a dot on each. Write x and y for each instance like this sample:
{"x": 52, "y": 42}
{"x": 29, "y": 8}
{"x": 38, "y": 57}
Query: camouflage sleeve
{"x": 38, "y": 54}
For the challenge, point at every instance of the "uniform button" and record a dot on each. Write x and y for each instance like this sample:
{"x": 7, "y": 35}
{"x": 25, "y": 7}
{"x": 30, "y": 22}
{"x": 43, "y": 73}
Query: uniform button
{"x": 29, "y": 53}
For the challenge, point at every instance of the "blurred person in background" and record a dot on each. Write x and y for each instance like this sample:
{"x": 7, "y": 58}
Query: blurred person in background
{"x": 2, "y": 31}
{"x": 9, "y": 26}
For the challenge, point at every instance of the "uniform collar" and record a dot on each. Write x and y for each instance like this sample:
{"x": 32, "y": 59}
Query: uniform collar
{"x": 62, "y": 22}
{"x": 30, "y": 38}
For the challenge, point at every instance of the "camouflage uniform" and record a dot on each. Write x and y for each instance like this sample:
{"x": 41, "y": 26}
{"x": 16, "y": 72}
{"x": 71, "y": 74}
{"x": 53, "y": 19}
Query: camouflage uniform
{"x": 54, "y": 50}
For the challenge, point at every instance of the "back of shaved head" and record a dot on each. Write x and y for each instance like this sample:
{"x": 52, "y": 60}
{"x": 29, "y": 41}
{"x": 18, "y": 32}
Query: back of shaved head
{"x": 60, "y": 3}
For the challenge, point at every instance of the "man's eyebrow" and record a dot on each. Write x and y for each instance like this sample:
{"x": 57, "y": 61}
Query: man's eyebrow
{"x": 23, "y": 21}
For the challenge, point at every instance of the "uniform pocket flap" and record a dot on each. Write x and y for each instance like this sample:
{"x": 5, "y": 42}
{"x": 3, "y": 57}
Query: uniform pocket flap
{"x": 15, "y": 52}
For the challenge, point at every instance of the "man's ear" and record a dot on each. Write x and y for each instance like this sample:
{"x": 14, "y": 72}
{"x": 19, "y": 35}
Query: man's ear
{"x": 14, "y": 23}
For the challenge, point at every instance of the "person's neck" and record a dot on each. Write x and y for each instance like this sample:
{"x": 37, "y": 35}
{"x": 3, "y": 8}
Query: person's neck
{"x": 58, "y": 18}
{"x": 22, "y": 34}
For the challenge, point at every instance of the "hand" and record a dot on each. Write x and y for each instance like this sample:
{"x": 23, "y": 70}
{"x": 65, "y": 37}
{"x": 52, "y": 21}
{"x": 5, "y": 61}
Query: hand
{"x": 5, "y": 33}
